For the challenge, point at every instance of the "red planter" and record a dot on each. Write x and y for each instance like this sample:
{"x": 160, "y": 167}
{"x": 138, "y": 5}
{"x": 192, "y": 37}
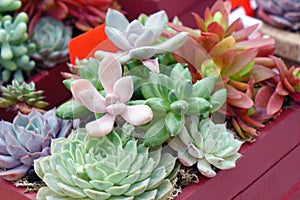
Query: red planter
{"x": 179, "y": 8}
{"x": 50, "y": 82}
{"x": 268, "y": 170}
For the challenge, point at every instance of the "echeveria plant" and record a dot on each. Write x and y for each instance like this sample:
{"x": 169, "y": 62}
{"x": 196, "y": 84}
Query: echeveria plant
{"x": 206, "y": 143}
{"x": 114, "y": 166}
{"x": 27, "y": 138}
{"x": 48, "y": 42}
{"x": 137, "y": 41}
{"x": 118, "y": 91}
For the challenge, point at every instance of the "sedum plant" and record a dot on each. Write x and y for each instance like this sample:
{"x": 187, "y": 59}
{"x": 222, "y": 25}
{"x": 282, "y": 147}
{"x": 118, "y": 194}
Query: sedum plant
{"x": 9, "y": 5}
{"x": 137, "y": 41}
{"x": 280, "y": 13}
{"x": 13, "y": 57}
{"x": 22, "y": 96}
{"x": 49, "y": 42}
{"x": 205, "y": 143}
{"x": 27, "y": 138}
{"x": 114, "y": 166}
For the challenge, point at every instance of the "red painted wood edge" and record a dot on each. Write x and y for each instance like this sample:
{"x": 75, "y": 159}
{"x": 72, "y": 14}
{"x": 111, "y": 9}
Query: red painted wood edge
{"x": 275, "y": 141}
{"x": 282, "y": 181}
{"x": 8, "y": 191}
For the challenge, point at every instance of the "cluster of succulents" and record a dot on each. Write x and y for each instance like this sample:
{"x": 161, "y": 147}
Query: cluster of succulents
{"x": 151, "y": 94}
{"x": 109, "y": 167}
{"x": 280, "y": 13}
{"x": 48, "y": 43}
{"x": 27, "y": 138}
{"x": 21, "y": 96}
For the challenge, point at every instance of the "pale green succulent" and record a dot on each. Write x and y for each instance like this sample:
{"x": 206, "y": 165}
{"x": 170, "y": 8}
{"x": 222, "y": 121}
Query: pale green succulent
{"x": 172, "y": 97}
{"x": 14, "y": 58}
{"x": 109, "y": 167}
{"x": 9, "y": 5}
{"x": 22, "y": 93}
{"x": 137, "y": 41}
{"x": 49, "y": 42}
{"x": 206, "y": 143}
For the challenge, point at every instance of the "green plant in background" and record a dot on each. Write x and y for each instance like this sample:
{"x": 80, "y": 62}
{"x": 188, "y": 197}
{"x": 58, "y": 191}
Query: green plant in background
{"x": 23, "y": 96}
{"x": 26, "y": 139}
{"x": 114, "y": 166}
{"x": 206, "y": 143}
{"x": 14, "y": 53}
{"x": 48, "y": 43}
{"x": 9, "y": 5}
{"x": 173, "y": 97}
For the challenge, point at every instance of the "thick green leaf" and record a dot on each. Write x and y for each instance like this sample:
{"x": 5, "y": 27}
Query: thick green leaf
{"x": 198, "y": 106}
{"x": 204, "y": 87}
{"x": 174, "y": 123}
{"x": 72, "y": 110}
{"x": 158, "y": 104}
{"x": 156, "y": 134}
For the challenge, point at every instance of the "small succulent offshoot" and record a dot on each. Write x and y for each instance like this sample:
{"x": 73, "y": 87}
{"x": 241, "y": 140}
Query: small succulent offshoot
{"x": 22, "y": 97}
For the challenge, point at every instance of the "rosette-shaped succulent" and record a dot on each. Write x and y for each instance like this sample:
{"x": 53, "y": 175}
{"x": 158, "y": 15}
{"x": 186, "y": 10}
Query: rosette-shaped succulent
{"x": 173, "y": 97}
{"x": 26, "y": 139}
{"x": 114, "y": 166}
{"x": 206, "y": 143}
{"x": 280, "y": 13}
{"x": 9, "y": 5}
{"x": 13, "y": 57}
{"x": 49, "y": 42}
{"x": 18, "y": 93}
{"x": 137, "y": 41}
{"x": 118, "y": 92}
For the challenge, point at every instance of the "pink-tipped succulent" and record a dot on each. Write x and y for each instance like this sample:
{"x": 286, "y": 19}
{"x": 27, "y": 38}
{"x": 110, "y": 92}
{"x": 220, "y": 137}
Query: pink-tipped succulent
{"x": 118, "y": 91}
{"x": 86, "y": 13}
{"x": 26, "y": 139}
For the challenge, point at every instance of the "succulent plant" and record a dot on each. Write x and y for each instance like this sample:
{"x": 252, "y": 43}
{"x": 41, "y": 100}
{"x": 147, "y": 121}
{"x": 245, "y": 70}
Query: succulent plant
{"x": 27, "y": 138}
{"x": 22, "y": 93}
{"x": 239, "y": 58}
{"x": 49, "y": 42}
{"x": 206, "y": 143}
{"x": 280, "y": 13}
{"x": 118, "y": 92}
{"x": 9, "y": 5}
{"x": 114, "y": 166}
{"x": 14, "y": 58}
{"x": 173, "y": 97}
{"x": 137, "y": 41}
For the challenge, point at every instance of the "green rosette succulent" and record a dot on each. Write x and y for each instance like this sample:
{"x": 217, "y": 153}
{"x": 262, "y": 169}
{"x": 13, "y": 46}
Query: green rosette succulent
{"x": 13, "y": 57}
{"x": 111, "y": 167}
{"x": 173, "y": 97}
{"x": 9, "y": 5}
{"x": 206, "y": 143}
{"x": 49, "y": 42}
{"x": 27, "y": 138}
{"x": 22, "y": 93}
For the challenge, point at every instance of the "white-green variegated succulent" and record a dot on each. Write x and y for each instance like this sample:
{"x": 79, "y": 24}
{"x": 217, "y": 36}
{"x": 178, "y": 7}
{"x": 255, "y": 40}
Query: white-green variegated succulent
{"x": 206, "y": 143}
{"x": 137, "y": 41}
{"x": 111, "y": 167}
